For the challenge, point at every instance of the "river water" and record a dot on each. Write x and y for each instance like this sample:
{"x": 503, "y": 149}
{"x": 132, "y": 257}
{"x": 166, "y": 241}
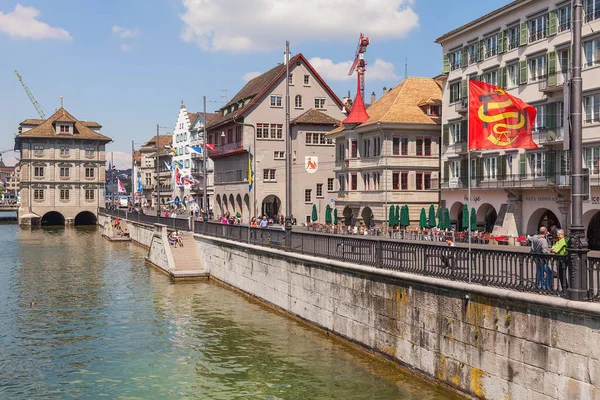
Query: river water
{"x": 106, "y": 325}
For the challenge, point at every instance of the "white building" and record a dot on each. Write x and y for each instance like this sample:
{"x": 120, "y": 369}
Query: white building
{"x": 525, "y": 48}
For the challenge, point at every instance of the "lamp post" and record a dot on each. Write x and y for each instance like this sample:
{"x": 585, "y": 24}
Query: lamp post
{"x": 204, "y": 168}
{"x": 288, "y": 154}
{"x": 578, "y": 246}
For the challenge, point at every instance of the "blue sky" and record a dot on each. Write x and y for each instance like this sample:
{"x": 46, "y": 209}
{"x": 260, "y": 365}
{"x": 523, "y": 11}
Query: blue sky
{"x": 128, "y": 64}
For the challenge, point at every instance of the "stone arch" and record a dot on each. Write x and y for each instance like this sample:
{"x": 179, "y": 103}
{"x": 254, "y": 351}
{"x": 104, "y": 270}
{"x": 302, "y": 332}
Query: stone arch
{"x": 541, "y": 216}
{"x": 456, "y": 214}
{"x": 247, "y": 204}
{"x": 53, "y": 218}
{"x": 225, "y": 206}
{"x": 348, "y": 215}
{"x": 593, "y": 228}
{"x": 271, "y": 205}
{"x": 238, "y": 201}
{"x": 219, "y": 204}
{"x": 231, "y": 203}
{"x": 486, "y": 217}
{"x": 367, "y": 216}
{"x": 85, "y": 218}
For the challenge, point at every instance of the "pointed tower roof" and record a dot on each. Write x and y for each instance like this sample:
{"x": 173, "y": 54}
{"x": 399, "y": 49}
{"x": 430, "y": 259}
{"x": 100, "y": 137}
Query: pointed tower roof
{"x": 358, "y": 114}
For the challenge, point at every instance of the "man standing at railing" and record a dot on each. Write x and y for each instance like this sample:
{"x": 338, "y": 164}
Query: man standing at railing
{"x": 539, "y": 245}
{"x": 560, "y": 248}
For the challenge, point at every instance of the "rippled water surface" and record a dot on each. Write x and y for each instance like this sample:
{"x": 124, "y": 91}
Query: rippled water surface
{"x": 104, "y": 324}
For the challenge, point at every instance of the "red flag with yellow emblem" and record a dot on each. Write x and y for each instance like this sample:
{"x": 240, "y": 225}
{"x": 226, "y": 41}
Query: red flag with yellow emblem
{"x": 498, "y": 120}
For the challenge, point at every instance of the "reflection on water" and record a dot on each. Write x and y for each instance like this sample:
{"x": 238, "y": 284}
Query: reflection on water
{"x": 104, "y": 324}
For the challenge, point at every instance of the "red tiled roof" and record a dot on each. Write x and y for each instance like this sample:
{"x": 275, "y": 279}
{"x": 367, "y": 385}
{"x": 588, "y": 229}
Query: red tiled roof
{"x": 46, "y": 128}
{"x": 314, "y": 117}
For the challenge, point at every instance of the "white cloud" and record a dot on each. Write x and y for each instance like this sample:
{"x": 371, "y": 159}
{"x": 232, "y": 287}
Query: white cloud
{"x": 250, "y": 75}
{"x": 259, "y": 25}
{"x": 22, "y": 23}
{"x": 125, "y": 48}
{"x": 125, "y": 33}
{"x": 379, "y": 70}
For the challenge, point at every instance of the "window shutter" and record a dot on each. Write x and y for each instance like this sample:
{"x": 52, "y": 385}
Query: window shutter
{"x": 550, "y": 167}
{"x": 502, "y": 168}
{"x": 551, "y": 58}
{"x": 464, "y": 89}
{"x": 464, "y": 173}
{"x": 464, "y": 58}
{"x": 445, "y": 64}
{"x": 446, "y": 171}
{"x": 523, "y": 166}
{"x": 501, "y": 42}
{"x": 479, "y": 169}
{"x": 502, "y": 77}
{"x": 464, "y": 127}
{"x": 551, "y": 25}
{"x": 480, "y": 51}
{"x": 551, "y": 120}
{"x": 446, "y": 134}
{"x": 523, "y": 33}
{"x": 480, "y": 77}
{"x": 523, "y": 72}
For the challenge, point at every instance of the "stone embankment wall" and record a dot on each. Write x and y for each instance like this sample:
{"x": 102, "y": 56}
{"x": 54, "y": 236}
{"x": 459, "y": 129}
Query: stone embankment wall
{"x": 139, "y": 233}
{"x": 490, "y": 343}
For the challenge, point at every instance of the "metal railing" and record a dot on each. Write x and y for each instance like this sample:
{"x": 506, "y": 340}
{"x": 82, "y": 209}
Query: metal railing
{"x": 179, "y": 223}
{"x": 502, "y": 268}
{"x": 529, "y": 181}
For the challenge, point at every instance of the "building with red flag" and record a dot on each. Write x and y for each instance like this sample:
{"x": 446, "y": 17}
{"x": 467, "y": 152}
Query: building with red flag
{"x": 519, "y": 183}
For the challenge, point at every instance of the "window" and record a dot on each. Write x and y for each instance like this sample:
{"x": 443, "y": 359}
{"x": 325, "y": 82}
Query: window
{"x": 187, "y": 163}
{"x": 342, "y": 182}
{"x": 564, "y": 18}
{"x": 307, "y": 195}
{"x": 367, "y": 148}
{"x": 455, "y": 132}
{"x": 89, "y": 172}
{"x": 592, "y": 52}
{"x": 427, "y": 144}
{"x": 454, "y": 170}
{"x": 419, "y": 146}
{"x": 238, "y": 133}
{"x": 491, "y": 46}
{"x": 513, "y": 37}
{"x": 591, "y": 9}
{"x": 537, "y": 162}
{"x": 269, "y": 175}
{"x": 540, "y": 118}
{"x": 537, "y": 68}
{"x": 491, "y": 168}
{"x": 262, "y": 131}
{"x": 279, "y": 155}
{"x": 64, "y": 194}
{"x": 298, "y": 101}
{"x": 455, "y": 58}
{"x": 276, "y": 100}
{"x": 377, "y": 146}
{"x": 353, "y": 148}
{"x": 404, "y": 181}
{"x": 306, "y": 80}
{"x": 38, "y": 194}
{"x": 341, "y": 154}
{"x": 455, "y": 92}
{"x": 64, "y": 151}
{"x": 38, "y": 150}
{"x": 419, "y": 181}
{"x": 435, "y": 110}
{"x": 64, "y": 128}
{"x": 366, "y": 181}
{"x": 64, "y": 172}
{"x": 395, "y": 180}
{"x": 491, "y": 77}
{"x": 376, "y": 179}
{"x": 230, "y": 135}
{"x": 537, "y": 28}
{"x": 291, "y": 79}
{"x": 509, "y": 165}
{"x": 592, "y": 108}
{"x": 592, "y": 160}
{"x": 512, "y": 76}
{"x": 330, "y": 184}
{"x": 319, "y": 190}
{"x": 38, "y": 172}
{"x": 563, "y": 59}
{"x": 89, "y": 152}
{"x": 279, "y": 131}
{"x": 396, "y": 146}
{"x": 472, "y": 49}
{"x": 353, "y": 181}
{"x": 90, "y": 194}
{"x": 320, "y": 103}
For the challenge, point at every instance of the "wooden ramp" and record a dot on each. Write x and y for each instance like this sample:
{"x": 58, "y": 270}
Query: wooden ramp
{"x": 188, "y": 264}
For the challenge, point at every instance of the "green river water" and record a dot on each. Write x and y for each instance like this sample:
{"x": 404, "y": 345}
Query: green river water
{"x": 107, "y": 326}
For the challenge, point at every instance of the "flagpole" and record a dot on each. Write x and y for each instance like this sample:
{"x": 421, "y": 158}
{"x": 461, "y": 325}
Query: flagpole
{"x": 469, "y": 183}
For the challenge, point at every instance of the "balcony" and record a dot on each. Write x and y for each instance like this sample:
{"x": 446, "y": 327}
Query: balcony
{"x": 553, "y": 82}
{"x": 462, "y": 106}
{"x": 458, "y": 147}
{"x": 510, "y": 181}
{"x": 549, "y": 135}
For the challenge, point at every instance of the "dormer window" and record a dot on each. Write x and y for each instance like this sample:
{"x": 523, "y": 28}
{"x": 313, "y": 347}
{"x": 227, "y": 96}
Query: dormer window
{"x": 65, "y": 129}
{"x": 434, "y": 111}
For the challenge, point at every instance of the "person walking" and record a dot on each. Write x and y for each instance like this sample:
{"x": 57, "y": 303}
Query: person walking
{"x": 560, "y": 248}
{"x": 539, "y": 245}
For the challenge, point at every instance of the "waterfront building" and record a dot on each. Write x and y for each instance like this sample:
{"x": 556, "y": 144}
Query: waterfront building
{"x": 62, "y": 170}
{"x": 524, "y": 47}
{"x": 188, "y": 132}
{"x": 148, "y": 174}
{"x": 254, "y": 120}
{"x": 390, "y": 156}
{"x": 9, "y": 182}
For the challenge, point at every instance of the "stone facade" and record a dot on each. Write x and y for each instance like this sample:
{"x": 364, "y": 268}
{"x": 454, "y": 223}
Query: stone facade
{"x": 524, "y": 47}
{"x": 62, "y": 170}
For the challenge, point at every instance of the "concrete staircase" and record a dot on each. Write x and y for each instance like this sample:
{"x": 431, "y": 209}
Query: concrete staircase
{"x": 187, "y": 259}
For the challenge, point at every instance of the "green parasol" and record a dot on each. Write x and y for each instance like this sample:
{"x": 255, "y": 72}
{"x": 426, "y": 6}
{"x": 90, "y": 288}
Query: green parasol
{"x": 328, "y": 214}
{"x": 392, "y": 216}
{"x": 465, "y": 217}
{"x": 431, "y": 221}
{"x": 446, "y": 218}
{"x": 422, "y": 218}
{"x": 315, "y": 215}
{"x": 406, "y": 216}
{"x": 473, "y": 219}
{"x": 397, "y": 216}
{"x": 335, "y": 218}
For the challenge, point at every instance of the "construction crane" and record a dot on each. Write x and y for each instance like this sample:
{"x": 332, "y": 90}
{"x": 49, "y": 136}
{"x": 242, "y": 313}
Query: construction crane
{"x": 35, "y": 103}
{"x": 360, "y": 65}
